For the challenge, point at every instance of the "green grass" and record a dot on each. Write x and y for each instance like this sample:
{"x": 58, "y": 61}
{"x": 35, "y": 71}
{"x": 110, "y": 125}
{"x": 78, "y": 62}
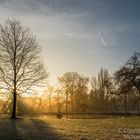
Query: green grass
{"x": 46, "y": 128}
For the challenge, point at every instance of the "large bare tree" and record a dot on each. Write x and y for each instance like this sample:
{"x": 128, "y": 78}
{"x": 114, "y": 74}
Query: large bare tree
{"x": 129, "y": 76}
{"x": 21, "y": 69}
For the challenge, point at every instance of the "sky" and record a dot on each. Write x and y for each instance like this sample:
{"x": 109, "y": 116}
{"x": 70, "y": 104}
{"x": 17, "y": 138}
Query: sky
{"x": 79, "y": 35}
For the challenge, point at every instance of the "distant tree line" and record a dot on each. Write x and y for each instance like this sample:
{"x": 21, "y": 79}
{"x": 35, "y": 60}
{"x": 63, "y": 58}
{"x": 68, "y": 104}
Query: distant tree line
{"x": 104, "y": 93}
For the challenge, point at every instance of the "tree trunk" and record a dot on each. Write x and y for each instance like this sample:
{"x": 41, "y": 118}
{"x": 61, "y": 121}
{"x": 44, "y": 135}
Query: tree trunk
{"x": 58, "y": 104}
{"x": 72, "y": 104}
{"x": 138, "y": 106}
{"x": 107, "y": 102}
{"x": 50, "y": 105}
{"x": 14, "y": 105}
{"x": 66, "y": 105}
{"x": 139, "y": 102}
{"x": 125, "y": 104}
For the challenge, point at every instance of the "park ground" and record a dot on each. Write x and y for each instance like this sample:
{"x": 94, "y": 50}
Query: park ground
{"x": 51, "y": 128}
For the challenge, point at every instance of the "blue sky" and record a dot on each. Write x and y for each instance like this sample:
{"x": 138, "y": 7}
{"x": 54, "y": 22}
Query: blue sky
{"x": 80, "y": 35}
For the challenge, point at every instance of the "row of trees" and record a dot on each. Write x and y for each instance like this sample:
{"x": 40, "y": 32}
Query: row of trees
{"x": 104, "y": 93}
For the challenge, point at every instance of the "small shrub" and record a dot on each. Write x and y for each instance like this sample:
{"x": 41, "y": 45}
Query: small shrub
{"x": 59, "y": 115}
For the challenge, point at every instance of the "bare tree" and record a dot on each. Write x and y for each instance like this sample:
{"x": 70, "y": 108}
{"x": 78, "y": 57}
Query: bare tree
{"x": 21, "y": 69}
{"x": 59, "y": 99}
{"x": 100, "y": 89}
{"x": 129, "y": 76}
{"x": 75, "y": 87}
{"x": 50, "y": 91}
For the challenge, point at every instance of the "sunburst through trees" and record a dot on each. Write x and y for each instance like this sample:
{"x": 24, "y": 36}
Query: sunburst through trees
{"x": 20, "y": 66}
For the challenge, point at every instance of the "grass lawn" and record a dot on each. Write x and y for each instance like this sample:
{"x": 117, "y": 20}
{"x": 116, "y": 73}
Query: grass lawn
{"x": 46, "y": 128}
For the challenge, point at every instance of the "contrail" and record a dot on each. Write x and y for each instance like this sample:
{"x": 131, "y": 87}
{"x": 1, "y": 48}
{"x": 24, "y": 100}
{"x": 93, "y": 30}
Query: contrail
{"x": 102, "y": 39}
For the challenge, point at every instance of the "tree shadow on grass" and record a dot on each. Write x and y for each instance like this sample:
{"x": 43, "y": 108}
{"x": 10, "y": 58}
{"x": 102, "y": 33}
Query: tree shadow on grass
{"x": 26, "y": 129}
{"x": 45, "y": 131}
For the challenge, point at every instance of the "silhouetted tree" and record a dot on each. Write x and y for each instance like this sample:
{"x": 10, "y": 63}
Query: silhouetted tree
{"x": 100, "y": 89}
{"x": 20, "y": 67}
{"x": 74, "y": 87}
{"x": 59, "y": 100}
{"x": 129, "y": 75}
{"x": 50, "y": 91}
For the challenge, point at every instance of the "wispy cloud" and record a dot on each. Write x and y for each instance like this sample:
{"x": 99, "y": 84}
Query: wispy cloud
{"x": 102, "y": 39}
